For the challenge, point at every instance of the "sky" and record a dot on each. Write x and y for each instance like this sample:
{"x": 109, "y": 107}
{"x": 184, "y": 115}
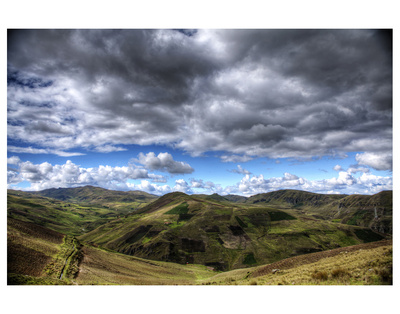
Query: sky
{"x": 227, "y": 111}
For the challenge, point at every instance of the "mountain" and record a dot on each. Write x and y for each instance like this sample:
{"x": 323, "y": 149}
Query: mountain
{"x": 294, "y": 198}
{"x": 373, "y": 211}
{"x": 235, "y": 198}
{"x": 215, "y": 232}
{"x": 205, "y": 234}
{"x": 90, "y": 195}
{"x": 64, "y": 217}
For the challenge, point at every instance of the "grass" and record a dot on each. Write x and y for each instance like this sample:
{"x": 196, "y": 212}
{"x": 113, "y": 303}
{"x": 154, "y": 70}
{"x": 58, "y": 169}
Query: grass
{"x": 268, "y": 233}
{"x": 37, "y": 255}
{"x": 67, "y": 218}
{"x": 100, "y": 267}
{"x": 365, "y": 264}
{"x": 58, "y": 263}
{"x": 18, "y": 279}
{"x": 369, "y": 266}
{"x": 178, "y": 228}
{"x": 180, "y": 209}
{"x": 30, "y": 247}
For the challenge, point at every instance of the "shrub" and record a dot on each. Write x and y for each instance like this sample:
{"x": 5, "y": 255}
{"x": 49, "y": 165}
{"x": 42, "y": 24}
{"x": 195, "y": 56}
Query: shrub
{"x": 320, "y": 275}
{"x": 249, "y": 259}
{"x": 386, "y": 275}
{"x": 340, "y": 273}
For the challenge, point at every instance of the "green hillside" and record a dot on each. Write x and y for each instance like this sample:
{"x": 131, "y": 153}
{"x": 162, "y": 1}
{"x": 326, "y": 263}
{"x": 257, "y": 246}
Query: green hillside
{"x": 217, "y": 233}
{"x": 95, "y": 196}
{"x": 40, "y": 256}
{"x": 194, "y": 239}
{"x": 372, "y": 211}
{"x": 67, "y": 218}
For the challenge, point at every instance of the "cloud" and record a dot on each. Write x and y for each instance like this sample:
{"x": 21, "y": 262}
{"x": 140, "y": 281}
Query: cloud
{"x": 375, "y": 160}
{"x": 375, "y": 184}
{"x": 109, "y": 149}
{"x": 164, "y": 162}
{"x": 148, "y": 187}
{"x": 344, "y": 183}
{"x": 30, "y": 150}
{"x": 45, "y": 176}
{"x": 355, "y": 169}
{"x": 207, "y": 186}
{"x": 260, "y": 93}
{"x": 351, "y": 169}
{"x": 182, "y": 186}
{"x": 235, "y": 158}
{"x": 240, "y": 170}
{"x": 14, "y": 160}
{"x": 338, "y": 168}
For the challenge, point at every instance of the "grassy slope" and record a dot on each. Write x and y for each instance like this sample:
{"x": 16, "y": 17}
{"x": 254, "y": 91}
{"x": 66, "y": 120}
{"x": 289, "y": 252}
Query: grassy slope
{"x": 369, "y": 264}
{"x": 177, "y": 227}
{"x": 99, "y": 197}
{"x": 222, "y": 234}
{"x": 109, "y": 268}
{"x": 373, "y": 211}
{"x": 364, "y": 264}
{"x": 31, "y": 249}
{"x": 67, "y": 218}
{"x": 36, "y": 256}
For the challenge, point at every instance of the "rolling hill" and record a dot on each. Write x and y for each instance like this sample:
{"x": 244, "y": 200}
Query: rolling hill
{"x": 188, "y": 238}
{"x": 96, "y": 196}
{"x": 64, "y": 217}
{"x": 373, "y": 211}
{"x": 215, "y": 232}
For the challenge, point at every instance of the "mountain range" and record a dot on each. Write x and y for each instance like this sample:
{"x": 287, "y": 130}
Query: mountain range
{"x": 222, "y": 233}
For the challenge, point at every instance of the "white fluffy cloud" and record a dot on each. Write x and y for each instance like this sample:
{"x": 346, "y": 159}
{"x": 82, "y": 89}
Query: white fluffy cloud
{"x": 344, "y": 183}
{"x": 152, "y": 188}
{"x": 164, "y": 162}
{"x": 375, "y": 160}
{"x": 182, "y": 186}
{"x": 338, "y": 168}
{"x": 44, "y": 175}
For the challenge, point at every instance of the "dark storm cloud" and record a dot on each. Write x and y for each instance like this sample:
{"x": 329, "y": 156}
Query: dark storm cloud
{"x": 276, "y": 93}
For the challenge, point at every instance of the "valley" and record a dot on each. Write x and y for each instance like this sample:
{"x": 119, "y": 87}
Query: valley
{"x": 94, "y": 236}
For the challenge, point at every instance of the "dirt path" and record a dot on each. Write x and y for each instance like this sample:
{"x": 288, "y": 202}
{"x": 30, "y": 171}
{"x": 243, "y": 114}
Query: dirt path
{"x": 314, "y": 257}
{"x": 66, "y": 260}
